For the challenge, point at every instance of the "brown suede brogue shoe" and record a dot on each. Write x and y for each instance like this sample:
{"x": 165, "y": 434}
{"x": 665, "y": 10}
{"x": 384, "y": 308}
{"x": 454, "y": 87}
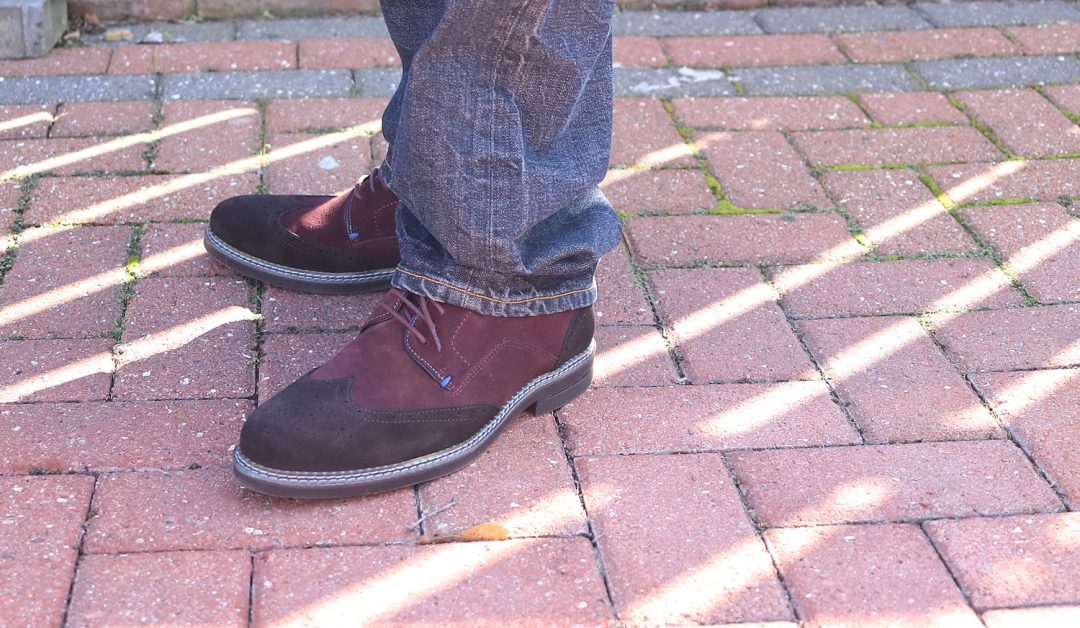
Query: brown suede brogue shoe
{"x": 420, "y": 393}
{"x": 324, "y": 244}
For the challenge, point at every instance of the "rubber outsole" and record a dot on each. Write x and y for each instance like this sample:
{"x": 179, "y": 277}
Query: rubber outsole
{"x": 295, "y": 278}
{"x": 542, "y": 395}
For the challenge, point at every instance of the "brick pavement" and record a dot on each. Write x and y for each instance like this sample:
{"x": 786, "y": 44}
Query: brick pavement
{"x": 840, "y": 347}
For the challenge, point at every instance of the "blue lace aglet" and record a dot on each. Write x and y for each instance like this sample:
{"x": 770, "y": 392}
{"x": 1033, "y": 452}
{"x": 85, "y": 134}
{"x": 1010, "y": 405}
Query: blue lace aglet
{"x": 353, "y": 236}
{"x": 445, "y": 382}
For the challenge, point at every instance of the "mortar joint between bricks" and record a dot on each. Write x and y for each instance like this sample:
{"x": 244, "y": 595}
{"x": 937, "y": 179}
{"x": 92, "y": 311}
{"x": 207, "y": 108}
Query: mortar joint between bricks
{"x": 90, "y": 513}
{"x": 982, "y": 127}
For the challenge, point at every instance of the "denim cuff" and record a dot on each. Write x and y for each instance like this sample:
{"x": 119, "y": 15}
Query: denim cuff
{"x": 492, "y": 294}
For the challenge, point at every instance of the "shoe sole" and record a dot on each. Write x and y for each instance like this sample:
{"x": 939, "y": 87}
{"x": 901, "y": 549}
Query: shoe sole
{"x": 542, "y": 395}
{"x": 295, "y": 278}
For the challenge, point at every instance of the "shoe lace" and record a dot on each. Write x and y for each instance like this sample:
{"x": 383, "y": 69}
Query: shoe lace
{"x": 369, "y": 182}
{"x": 421, "y": 312}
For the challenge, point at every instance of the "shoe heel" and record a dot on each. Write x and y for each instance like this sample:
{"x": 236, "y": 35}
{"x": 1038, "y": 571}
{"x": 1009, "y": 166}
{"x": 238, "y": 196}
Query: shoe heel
{"x": 565, "y": 390}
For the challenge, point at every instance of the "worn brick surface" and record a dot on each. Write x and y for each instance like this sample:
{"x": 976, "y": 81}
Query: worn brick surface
{"x": 176, "y": 250}
{"x": 34, "y": 591}
{"x": 727, "y": 326}
{"x": 207, "y": 588}
{"x": 658, "y": 191}
{"x": 1025, "y": 121}
{"x": 738, "y": 239}
{"x": 896, "y": 212}
{"x": 187, "y": 337}
{"x": 287, "y": 310}
{"x": 984, "y": 72}
{"x": 107, "y": 200}
{"x": 285, "y": 357}
{"x": 204, "y": 56}
{"x": 793, "y": 113}
{"x": 857, "y": 575}
{"x": 65, "y": 437}
{"x": 632, "y": 356}
{"x": 1047, "y": 39}
{"x": 65, "y": 283}
{"x": 1037, "y": 337}
{"x": 897, "y": 287}
{"x": 711, "y": 417}
{"x": 911, "y": 108}
{"x": 752, "y": 50}
{"x": 324, "y": 164}
{"x": 532, "y": 581}
{"x": 920, "y": 45}
{"x": 658, "y": 576}
{"x": 60, "y": 61}
{"x": 22, "y": 158}
{"x": 322, "y": 113}
{"x": 1041, "y": 240}
{"x": 890, "y": 483}
{"x": 760, "y": 169}
{"x": 1039, "y": 407}
{"x": 1048, "y": 616}
{"x": 10, "y": 195}
{"x": 523, "y": 482}
{"x": 876, "y": 147}
{"x": 1039, "y": 179}
{"x": 644, "y": 135}
{"x": 25, "y": 121}
{"x": 830, "y": 79}
{"x": 1065, "y": 96}
{"x": 223, "y": 132}
{"x": 103, "y": 118}
{"x": 638, "y": 52}
{"x": 898, "y": 385}
{"x": 34, "y": 370}
{"x": 1013, "y": 561}
{"x": 620, "y": 300}
{"x": 207, "y": 509}
{"x": 319, "y": 54}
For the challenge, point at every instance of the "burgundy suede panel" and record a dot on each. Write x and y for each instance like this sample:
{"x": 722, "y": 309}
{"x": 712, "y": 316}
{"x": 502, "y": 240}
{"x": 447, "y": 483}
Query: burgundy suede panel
{"x": 354, "y": 219}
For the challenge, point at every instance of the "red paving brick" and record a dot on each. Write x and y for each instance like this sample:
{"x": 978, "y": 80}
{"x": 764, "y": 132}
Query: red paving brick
{"x": 896, "y": 287}
{"x": 727, "y": 326}
{"x": 1035, "y": 337}
{"x": 10, "y": 195}
{"x": 620, "y": 300}
{"x": 760, "y": 170}
{"x": 1025, "y": 121}
{"x": 227, "y": 56}
{"x": 658, "y": 191}
{"x": 34, "y": 370}
{"x": 286, "y": 310}
{"x": 187, "y": 337}
{"x": 638, "y": 52}
{"x": 752, "y": 50}
{"x": 221, "y": 133}
{"x": 1040, "y": 241}
{"x": 897, "y": 213}
{"x": 922, "y": 45}
{"x": 1047, "y": 39}
{"x": 797, "y": 113}
{"x": 65, "y": 437}
{"x": 531, "y": 581}
{"x": 285, "y": 357}
{"x": 325, "y": 164}
{"x": 103, "y": 118}
{"x": 84, "y": 60}
{"x": 133, "y": 199}
{"x": 642, "y": 508}
{"x": 898, "y": 385}
{"x": 1039, "y": 407}
{"x": 1013, "y": 561}
{"x": 176, "y": 250}
{"x": 911, "y": 108}
{"x": 42, "y": 515}
{"x": 632, "y": 356}
{"x": 25, "y": 121}
{"x": 879, "y": 147}
{"x": 1045, "y": 616}
{"x": 180, "y": 588}
{"x": 65, "y": 283}
{"x": 709, "y": 417}
{"x": 322, "y": 113}
{"x": 738, "y": 239}
{"x": 644, "y": 135}
{"x": 522, "y": 482}
{"x": 866, "y": 574}
{"x": 1045, "y": 180}
{"x": 34, "y": 592}
{"x": 1065, "y": 96}
{"x": 319, "y": 54}
{"x": 22, "y": 158}
{"x": 207, "y": 509}
{"x": 890, "y": 483}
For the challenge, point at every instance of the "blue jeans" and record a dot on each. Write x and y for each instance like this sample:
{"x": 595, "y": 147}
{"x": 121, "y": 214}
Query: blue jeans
{"x": 499, "y": 133}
